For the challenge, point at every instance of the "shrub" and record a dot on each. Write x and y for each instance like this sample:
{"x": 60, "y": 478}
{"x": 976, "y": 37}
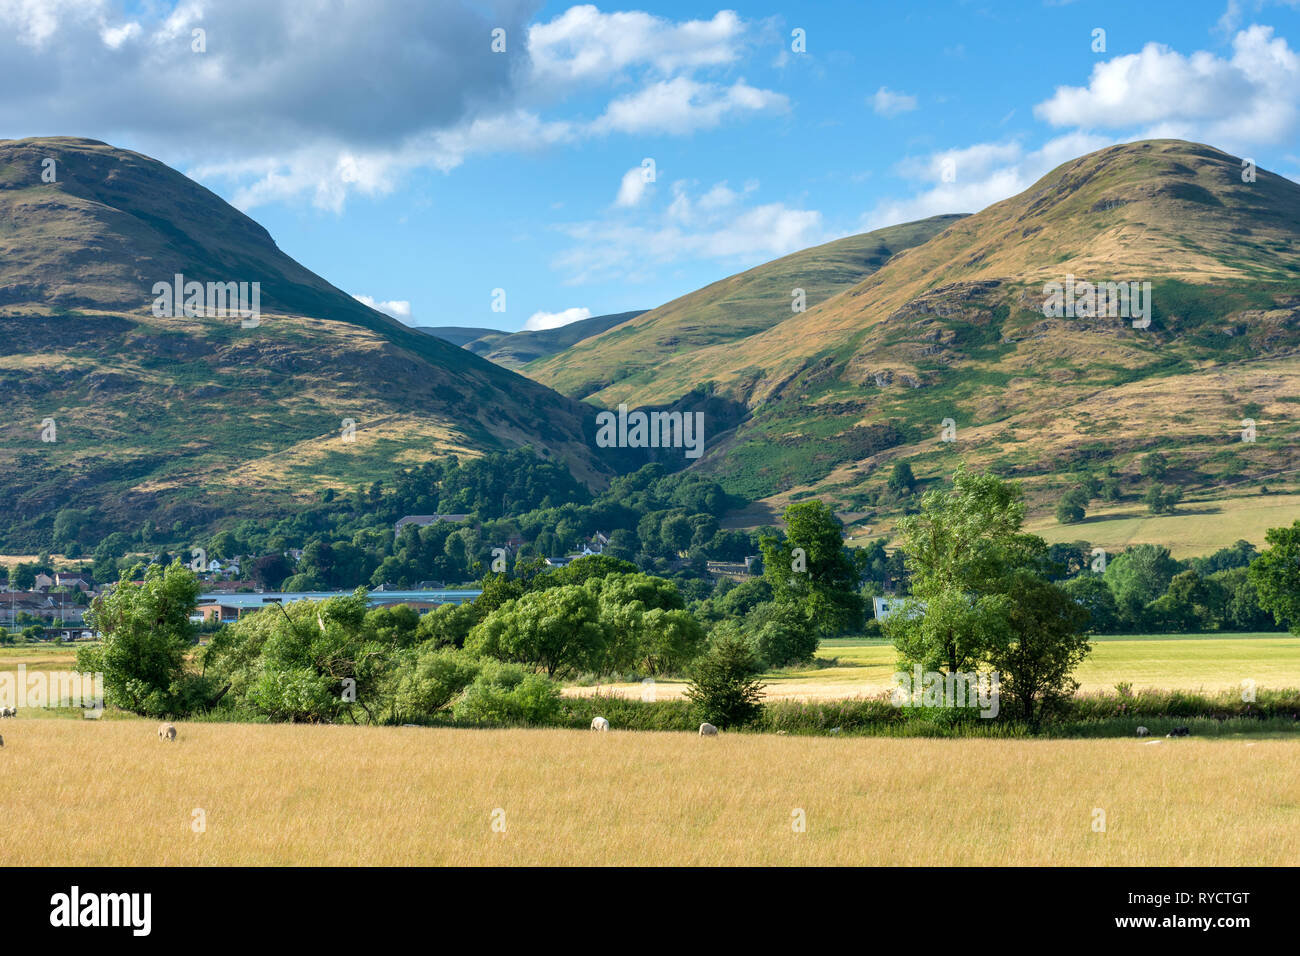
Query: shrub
{"x": 432, "y": 681}
{"x": 783, "y": 635}
{"x": 723, "y": 688}
{"x": 508, "y": 694}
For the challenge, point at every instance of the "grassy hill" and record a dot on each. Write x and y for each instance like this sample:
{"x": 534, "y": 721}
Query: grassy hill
{"x": 197, "y": 418}
{"x": 638, "y": 357}
{"x": 517, "y": 349}
{"x": 953, "y": 327}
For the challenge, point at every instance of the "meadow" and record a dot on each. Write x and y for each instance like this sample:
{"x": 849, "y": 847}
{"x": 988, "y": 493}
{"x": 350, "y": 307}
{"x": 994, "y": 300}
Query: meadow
{"x": 86, "y": 793}
{"x": 856, "y": 667}
{"x": 850, "y": 667}
{"x": 1195, "y": 528}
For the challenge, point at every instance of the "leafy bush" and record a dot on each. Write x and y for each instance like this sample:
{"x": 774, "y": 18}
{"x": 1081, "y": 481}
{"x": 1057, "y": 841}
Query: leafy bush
{"x": 723, "y": 688}
{"x": 783, "y": 635}
{"x": 508, "y": 694}
{"x": 432, "y": 681}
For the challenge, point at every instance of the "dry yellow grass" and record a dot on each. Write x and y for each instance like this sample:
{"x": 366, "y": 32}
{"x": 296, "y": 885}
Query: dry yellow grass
{"x": 86, "y": 793}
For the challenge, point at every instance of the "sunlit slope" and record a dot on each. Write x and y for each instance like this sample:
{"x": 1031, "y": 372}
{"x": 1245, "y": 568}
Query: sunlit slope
{"x": 633, "y": 357}
{"x": 178, "y": 418}
{"x": 955, "y": 328}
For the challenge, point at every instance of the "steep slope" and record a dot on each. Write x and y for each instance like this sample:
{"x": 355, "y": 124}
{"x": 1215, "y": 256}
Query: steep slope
{"x": 637, "y": 356}
{"x": 955, "y": 328}
{"x": 195, "y": 417}
{"x": 517, "y": 349}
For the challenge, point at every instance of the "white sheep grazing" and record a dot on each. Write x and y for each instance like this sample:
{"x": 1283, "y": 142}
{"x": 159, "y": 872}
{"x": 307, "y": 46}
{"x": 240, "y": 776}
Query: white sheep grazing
{"x": 708, "y": 730}
{"x": 8, "y": 711}
{"x": 599, "y": 723}
{"x": 1143, "y": 732}
{"x": 167, "y": 731}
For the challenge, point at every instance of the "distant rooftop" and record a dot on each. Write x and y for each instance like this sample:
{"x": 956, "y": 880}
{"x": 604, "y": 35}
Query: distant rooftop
{"x": 376, "y": 598}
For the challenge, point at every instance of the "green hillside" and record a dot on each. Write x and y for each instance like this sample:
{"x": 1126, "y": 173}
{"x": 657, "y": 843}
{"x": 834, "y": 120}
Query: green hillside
{"x": 724, "y": 312}
{"x": 198, "y": 418}
{"x": 517, "y": 349}
{"x": 954, "y": 328}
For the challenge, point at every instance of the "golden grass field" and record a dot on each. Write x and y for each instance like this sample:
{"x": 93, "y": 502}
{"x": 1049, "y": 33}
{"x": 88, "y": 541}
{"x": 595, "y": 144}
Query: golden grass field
{"x": 1196, "y": 528}
{"x": 852, "y": 668}
{"x": 86, "y": 793}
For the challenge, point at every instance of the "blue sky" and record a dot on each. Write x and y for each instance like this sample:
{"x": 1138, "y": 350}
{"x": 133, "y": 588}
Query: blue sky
{"x": 388, "y": 148}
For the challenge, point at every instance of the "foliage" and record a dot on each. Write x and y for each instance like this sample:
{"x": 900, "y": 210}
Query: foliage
{"x": 147, "y": 633}
{"x": 812, "y": 567}
{"x": 783, "y": 634}
{"x": 723, "y": 688}
{"x": 504, "y": 693}
{"x": 1044, "y": 644}
{"x": 556, "y": 630}
{"x": 1275, "y": 575}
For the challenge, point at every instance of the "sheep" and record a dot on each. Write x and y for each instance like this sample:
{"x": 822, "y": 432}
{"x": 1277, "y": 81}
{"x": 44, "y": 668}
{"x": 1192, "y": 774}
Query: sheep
{"x": 1178, "y": 732}
{"x": 708, "y": 730}
{"x": 599, "y": 723}
{"x": 1143, "y": 732}
{"x": 167, "y": 731}
{"x": 8, "y": 711}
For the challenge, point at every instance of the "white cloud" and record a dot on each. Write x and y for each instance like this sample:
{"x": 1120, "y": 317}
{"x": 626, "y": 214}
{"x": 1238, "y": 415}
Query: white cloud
{"x": 554, "y": 320}
{"x": 114, "y": 37}
{"x": 583, "y": 44}
{"x": 398, "y": 309}
{"x": 633, "y": 187}
{"x": 713, "y": 225}
{"x": 985, "y": 173}
{"x": 887, "y": 102}
{"x": 1242, "y": 104}
{"x": 682, "y": 105}
{"x": 1251, "y": 98}
{"x": 284, "y": 119}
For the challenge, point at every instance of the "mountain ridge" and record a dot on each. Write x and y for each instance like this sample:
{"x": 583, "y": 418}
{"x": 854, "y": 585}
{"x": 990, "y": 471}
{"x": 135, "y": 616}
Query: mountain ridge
{"x": 196, "y": 417}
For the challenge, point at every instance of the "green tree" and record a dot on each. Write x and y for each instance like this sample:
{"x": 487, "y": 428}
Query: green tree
{"x": 901, "y": 480}
{"x": 147, "y": 634}
{"x": 1160, "y": 499}
{"x": 646, "y": 622}
{"x": 1276, "y": 576}
{"x": 554, "y": 630}
{"x": 308, "y": 661}
{"x": 1072, "y": 507}
{"x": 432, "y": 681}
{"x": 447, "y": 626}
{"x": 1094, "y": 596}
{"x": 812, "y": 567}
{"x": 1141, "y": 574}
{"x": 23, "y": 577}
{"x": 504, "y": 693}
{"x": 959, "y": 550}
{"x": 723, "y": 689}
{"x": 782, "y": 634}
{"x": 1043, "y": 645}
{"x": 1154, "y": 465}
